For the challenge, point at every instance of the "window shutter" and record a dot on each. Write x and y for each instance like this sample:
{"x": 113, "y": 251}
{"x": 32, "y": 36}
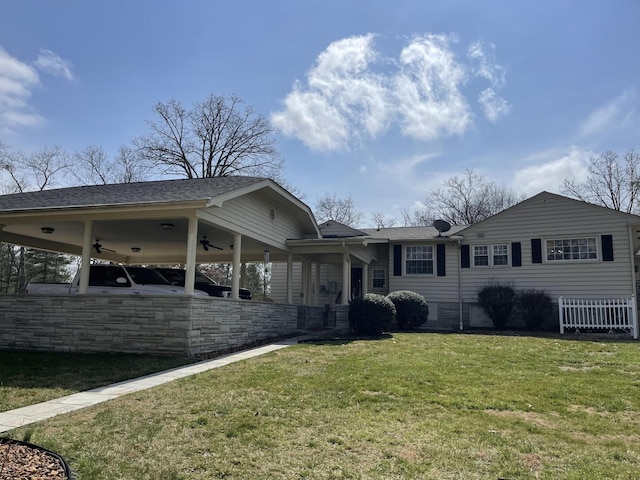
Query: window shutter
{"x": 465, "y": 260}
{"x": 607, "y": 248}
{"x": 516, "y": 254}
{"x": 397, "y": 260}
{"x": 440, "y": 258}
{"x": 536, "y": 250}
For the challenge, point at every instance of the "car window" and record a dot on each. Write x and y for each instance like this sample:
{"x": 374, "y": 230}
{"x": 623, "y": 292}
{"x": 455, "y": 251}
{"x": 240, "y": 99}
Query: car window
{"x": 146, "y": 276}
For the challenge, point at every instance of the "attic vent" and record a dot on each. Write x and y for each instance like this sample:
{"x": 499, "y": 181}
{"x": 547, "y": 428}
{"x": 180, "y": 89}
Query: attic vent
{"x": 272, "y": 213}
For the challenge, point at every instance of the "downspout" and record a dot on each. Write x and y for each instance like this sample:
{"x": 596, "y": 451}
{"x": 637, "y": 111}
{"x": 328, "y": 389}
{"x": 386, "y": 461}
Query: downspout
{"x": 633, "y": 280}
{"x": 461, "y": 326}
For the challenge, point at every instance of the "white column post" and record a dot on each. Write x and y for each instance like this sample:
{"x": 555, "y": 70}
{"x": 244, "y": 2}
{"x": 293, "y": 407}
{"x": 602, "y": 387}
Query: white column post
{"x": 290, "y": 278}
{"x": 235, "y": 280}
{"x": 192, "y": 246}
{"x": 365, "y": 279}
{"x": 86, "y": 257}
{"x": 316, "y": 299}
{"x": 305, "y": 282}
{"x": 346, "y": 279}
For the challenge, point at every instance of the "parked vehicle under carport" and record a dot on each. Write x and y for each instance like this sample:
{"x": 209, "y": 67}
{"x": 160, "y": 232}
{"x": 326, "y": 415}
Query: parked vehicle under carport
{"x": 202, "y": 282}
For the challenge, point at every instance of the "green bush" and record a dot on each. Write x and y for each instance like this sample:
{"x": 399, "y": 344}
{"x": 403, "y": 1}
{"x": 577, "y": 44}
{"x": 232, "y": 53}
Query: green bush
{"x": 412, "y": 310}
{"x": 535, "y": 307}
{"x": 371, "y": 314}
{"x": 497, "y": 301}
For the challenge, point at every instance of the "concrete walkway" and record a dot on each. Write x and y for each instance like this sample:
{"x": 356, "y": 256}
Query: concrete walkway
{"x": 41, "y": 411}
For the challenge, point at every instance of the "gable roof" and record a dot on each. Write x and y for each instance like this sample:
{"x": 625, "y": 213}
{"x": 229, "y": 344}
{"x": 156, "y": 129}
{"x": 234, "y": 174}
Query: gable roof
{"x": 556, "y": 197}
{"x": 333, "y": 229}
{"x": 162, "y": 191}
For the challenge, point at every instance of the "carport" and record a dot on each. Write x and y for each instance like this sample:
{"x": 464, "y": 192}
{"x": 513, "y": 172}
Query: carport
{"x": 189, "y": 221}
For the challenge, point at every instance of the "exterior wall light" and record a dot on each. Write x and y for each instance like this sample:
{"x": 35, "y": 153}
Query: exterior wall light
{"x": 167, "y": 226}
{"x": 135, "y": 249}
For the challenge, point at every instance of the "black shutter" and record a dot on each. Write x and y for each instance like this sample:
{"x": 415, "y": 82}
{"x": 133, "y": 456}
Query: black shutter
{"x": 440, "y": 258}
{"x": 607, "y": 248}
{"x": 397, "y": 260}
{"x": 516, "y": 254}
{"x": 536, "y": 250}
{"x": 465, "y": 260}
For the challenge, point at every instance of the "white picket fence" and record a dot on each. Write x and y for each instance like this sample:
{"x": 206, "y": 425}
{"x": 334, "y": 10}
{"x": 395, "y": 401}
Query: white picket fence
{"x": 607, "y": 314}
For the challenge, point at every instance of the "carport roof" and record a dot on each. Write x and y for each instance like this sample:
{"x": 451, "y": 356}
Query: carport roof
{"x": 162, "y": 191}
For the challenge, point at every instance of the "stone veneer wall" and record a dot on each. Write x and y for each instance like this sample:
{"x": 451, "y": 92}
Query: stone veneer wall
{"x": 137, "y": 324}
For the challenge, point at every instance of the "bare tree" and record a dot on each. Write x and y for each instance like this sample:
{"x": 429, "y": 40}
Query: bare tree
{"x": 94, "y": 167}
{"x": 612, "y": 182}
{"x": 383, "y": 221}
{"x": 36, "y": 170}
{"x": 217, "y": 137}
{"x": 469, "y": 198}
{"x": 342, "y": 210}
{"x": 419, "y": 217}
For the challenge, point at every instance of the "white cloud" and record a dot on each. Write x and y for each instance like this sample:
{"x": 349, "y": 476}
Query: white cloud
{"x": 484, "y": 64}
{"x": 344, "y": 98}
{"x": 550, "y": 168}
{"x": 427, "y": 90}
{"x": 493, "y": 106}
{"x": 52, "y": 64}
{"x": 616, "y": 113}
{"x": 17, "y": 80}
{"x": 348, "y": 98}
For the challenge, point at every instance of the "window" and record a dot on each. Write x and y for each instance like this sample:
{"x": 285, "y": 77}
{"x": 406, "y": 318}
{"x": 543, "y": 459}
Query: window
{"x": 500, "y": 254}
{"x": 379, "y": 278}
{"x": 490, "y": 255}
{"x": 419, "y": 260}
{"x": 572, "y": 249}
{"x": 480, "y": 255}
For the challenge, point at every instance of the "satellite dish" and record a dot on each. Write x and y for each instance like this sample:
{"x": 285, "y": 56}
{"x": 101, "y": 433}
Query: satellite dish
{"x": 442, "y": 226}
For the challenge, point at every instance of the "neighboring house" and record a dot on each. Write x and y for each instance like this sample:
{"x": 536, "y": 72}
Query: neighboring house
{"x": 566, "y": 247}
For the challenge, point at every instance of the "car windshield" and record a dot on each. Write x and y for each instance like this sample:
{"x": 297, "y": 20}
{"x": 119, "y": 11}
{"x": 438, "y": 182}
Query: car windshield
{"x": 202, "y": 278}
{"x": 146, "y": 276}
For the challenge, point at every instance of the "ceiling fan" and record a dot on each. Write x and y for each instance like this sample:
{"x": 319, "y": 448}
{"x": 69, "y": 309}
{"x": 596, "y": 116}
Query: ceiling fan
{"x": 206, "y": 244}
{"x": 99, "y": 248}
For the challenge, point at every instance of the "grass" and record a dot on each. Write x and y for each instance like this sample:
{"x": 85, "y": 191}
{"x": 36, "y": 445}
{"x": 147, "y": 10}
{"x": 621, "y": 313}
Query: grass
{"x": 27, "y": 378}
{"x": 410, "y": 406}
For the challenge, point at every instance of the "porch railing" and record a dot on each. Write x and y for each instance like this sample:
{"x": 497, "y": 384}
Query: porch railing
{"x": 607, "y": 314}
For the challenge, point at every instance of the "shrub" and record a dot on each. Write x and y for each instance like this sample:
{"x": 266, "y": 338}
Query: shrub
{"x": 371, "y": 314}
{"x": 497, "y": 301}
{"x": 535, "y": 307}
{"x": 412, "y": 309}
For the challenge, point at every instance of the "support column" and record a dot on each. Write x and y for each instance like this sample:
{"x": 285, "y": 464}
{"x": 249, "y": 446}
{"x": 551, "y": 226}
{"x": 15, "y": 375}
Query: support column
{"x": 305, "y": 283}
{"x": 290, "y": 278}
{"x": 316, "y": 298}
{"x": 192, "y": 247}
{"x": 365, "y": 279}
{"x": 346, "y": 279}
{"x": 86, "y": 257}
{"x": 235, "y": 280}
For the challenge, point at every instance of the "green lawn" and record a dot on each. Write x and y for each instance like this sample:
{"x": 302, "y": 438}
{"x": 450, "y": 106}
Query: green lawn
{"x": 27, "y": 378}
{"x": 410, "y": 406}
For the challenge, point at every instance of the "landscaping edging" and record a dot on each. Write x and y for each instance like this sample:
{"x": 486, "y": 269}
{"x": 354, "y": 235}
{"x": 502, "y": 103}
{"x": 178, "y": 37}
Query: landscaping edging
{"x": 23, "y": 460}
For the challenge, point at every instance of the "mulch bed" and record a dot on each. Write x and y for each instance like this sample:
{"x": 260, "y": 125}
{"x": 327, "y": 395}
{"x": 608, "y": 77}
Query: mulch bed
{"x": 24, "y": 461}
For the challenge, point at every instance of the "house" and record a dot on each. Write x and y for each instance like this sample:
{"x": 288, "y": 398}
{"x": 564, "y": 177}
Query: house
{"x": 549, "y": 242}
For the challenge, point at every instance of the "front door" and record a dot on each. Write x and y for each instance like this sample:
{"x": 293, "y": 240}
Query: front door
{"x": 356, "y": 282}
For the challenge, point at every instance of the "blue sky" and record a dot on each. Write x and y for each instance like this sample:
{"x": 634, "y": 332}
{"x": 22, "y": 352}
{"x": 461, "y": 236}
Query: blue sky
{"x": 380, "y": 100}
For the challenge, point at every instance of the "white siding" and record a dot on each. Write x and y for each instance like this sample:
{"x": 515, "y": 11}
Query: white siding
{"x": 553, "y": 217}
{"x": 432, "y": 287}
{"x": 250, "y": 215}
